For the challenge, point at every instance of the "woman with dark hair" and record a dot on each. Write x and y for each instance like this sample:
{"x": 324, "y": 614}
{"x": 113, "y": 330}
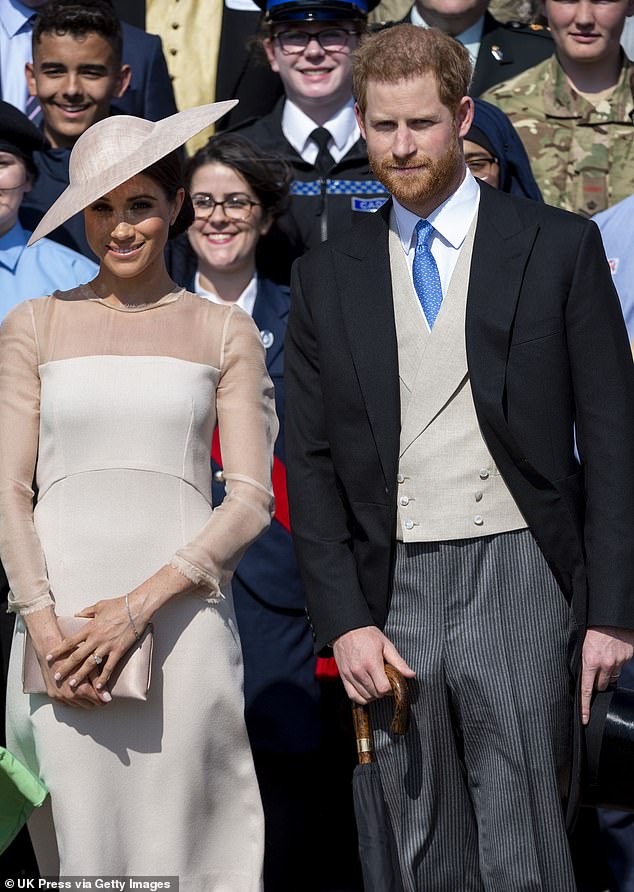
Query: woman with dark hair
{"x": 109, "y": 396}
{"x": 494, "y": 153}
{"x": 237, "y": 192}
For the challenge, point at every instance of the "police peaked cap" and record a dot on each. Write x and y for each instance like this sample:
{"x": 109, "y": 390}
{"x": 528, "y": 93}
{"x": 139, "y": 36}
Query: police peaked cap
{"x": 18, "y": 135}
{"x": 315, "y": 10}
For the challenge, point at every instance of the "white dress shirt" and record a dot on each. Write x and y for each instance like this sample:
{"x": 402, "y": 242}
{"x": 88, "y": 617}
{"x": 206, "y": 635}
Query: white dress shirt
{"x": 297, "y": 127}
{"x": 471, "y": 38}
{"x": 246, "y": 301}
{"x": 15, "y": 50}
{"x": 451, "y": 220}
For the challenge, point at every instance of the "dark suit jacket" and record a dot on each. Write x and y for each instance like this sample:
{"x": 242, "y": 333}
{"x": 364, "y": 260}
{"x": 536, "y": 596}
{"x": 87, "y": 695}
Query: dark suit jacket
{"x": 507, "y": 48}
{"x": 150, "y": 94}
{"x": 243, "y": 71}
{"x": 547, "y": 350}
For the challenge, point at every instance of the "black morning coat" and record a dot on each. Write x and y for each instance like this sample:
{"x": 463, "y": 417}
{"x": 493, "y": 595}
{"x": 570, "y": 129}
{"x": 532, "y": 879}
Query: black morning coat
{"x": 547, "y": 351}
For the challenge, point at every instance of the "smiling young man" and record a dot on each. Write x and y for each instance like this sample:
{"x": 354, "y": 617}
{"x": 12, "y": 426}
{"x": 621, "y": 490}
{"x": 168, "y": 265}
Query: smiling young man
{"x": 310, "y": 45}
{"x": 76, "y": 74}
{"x": 575, "y": 111}
{"x": 439, "y": 359}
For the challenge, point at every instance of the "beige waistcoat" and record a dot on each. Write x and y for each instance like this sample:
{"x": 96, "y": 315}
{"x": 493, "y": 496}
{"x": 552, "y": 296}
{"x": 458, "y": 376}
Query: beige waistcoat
{"x": 449, "y": 486}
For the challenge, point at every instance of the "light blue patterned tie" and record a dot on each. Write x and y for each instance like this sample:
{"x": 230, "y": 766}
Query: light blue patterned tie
{"x": 425, "y": 273}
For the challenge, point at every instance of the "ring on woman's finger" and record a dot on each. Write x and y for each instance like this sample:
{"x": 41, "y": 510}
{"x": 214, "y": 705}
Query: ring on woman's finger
{"x": 98, "y": 660}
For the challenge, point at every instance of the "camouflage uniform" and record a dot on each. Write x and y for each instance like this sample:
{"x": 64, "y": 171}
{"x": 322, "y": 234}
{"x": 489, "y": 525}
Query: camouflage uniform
{"x": 582, "y": 157}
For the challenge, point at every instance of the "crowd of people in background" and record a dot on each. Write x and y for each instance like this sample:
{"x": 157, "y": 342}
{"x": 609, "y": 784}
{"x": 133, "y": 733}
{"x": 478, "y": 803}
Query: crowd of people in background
{"x": 285, "y": 170}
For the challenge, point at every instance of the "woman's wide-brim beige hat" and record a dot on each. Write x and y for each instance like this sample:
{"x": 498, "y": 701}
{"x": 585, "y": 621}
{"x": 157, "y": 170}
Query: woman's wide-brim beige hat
{"x": 116, "y": 149}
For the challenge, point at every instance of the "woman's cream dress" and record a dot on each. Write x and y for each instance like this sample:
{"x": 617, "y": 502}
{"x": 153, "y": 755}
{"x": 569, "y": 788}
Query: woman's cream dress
{"x": 111, "y": 411}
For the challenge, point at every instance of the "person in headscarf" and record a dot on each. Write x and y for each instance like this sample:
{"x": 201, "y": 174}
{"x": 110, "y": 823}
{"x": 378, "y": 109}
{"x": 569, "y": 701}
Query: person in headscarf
{"x": 495, "y": 153}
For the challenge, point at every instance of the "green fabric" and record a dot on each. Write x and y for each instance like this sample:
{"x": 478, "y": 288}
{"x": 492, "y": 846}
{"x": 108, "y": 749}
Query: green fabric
{"x": 20, "y": 792}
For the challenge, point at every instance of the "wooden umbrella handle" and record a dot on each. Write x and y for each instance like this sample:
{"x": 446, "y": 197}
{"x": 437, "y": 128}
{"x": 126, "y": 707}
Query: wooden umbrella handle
{"x": 400, "y": 720}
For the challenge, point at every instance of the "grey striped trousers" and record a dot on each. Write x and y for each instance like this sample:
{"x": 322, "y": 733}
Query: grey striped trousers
{"x": 474, "y": 789}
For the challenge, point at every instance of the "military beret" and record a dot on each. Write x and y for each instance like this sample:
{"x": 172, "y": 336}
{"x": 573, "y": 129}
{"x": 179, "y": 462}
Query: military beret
{"x": 315, "y": 10}
{"x": 18, "y": 135}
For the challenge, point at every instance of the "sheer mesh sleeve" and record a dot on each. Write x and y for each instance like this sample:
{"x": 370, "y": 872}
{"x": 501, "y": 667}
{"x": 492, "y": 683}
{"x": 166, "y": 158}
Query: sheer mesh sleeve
{"x": 248, "y": 426}
{"x": 20, "y": 548}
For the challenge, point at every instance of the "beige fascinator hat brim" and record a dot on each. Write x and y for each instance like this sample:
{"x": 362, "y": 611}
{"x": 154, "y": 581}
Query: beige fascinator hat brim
{"x": 117, "y": 148}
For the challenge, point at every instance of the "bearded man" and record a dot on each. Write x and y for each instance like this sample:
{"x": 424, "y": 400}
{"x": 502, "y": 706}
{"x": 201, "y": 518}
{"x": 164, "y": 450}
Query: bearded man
{"x": 440, "y": 358}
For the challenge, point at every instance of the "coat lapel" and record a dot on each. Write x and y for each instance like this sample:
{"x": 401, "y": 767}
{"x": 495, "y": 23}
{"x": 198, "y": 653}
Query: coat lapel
{"x": 270, "y": 314}
{"x": 365, "y": 286}
{"x": 502, "y": 248}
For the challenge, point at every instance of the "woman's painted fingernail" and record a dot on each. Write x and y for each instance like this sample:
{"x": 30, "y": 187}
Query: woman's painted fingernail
{"x": 73, "y": 682}
{"x": 106, "y": 696}
{"x": 49, "y": 657}
{"x": 99, "y": 686}
{"x": 57, "y": 676}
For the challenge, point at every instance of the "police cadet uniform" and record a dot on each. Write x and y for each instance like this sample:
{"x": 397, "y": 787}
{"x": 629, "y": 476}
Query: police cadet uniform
{"x": 328, "y": 193}
{"x": 505, "y": 49}
{"x": 582, "y": 154}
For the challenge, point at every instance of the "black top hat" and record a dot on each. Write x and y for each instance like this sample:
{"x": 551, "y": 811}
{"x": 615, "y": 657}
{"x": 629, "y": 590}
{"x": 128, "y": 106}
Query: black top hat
{"x": 609, "y": 751}
{"x": 316, "y": 10}
{"x": 18, "y": 135}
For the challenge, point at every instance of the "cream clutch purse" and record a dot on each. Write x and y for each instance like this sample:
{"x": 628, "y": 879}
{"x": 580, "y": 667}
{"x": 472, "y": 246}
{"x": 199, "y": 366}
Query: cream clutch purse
{"x": 130, "y": 679}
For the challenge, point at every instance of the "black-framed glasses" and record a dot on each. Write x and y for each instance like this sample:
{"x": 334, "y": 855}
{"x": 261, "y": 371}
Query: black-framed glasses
{"x": 236, "y": 207}
{"x": 480, "y": 166}
{"x": 331, "y": 40}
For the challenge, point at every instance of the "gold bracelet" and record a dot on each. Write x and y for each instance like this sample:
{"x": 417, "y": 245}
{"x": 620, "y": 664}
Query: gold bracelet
{"x": 134, "y": 629}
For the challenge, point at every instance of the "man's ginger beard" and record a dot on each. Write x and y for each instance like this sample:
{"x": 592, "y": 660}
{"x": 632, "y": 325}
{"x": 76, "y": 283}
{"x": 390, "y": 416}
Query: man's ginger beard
{"x": 434, "y": 178}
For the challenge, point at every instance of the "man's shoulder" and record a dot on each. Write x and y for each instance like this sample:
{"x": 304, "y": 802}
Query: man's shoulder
{"x": 620, "y": 215}
{"x": 354, "y": 242}
{"x": 265, "y": 130}
{"x": 529, "y": 211}
{"x": 139, "y": 40}
{"x": 527, "y": 34}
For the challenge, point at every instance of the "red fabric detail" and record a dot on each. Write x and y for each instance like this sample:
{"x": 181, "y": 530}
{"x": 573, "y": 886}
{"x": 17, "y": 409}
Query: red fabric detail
{"x": 278, "y": 478}
{"x": 326, "y": 668}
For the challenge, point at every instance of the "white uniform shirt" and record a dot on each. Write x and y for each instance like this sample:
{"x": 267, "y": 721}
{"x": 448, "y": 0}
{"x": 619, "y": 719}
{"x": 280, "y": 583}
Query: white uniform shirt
{"x": 297, "y": 127}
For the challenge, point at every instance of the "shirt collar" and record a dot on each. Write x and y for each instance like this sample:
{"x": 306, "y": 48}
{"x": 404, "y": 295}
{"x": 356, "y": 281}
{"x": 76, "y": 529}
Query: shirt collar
{"x": 12, "y": 244}
{"x": 14, "y": 16}
{"x": 297, "y": 126}
{"x": 246, "y": 301}
{"x": 451, "y": 219}
{"x": 472, "y": 35}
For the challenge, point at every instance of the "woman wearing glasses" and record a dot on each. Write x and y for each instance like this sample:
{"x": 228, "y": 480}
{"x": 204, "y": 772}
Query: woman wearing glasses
{"x": 237, "y": 192}
{"x": 494, "y": 153}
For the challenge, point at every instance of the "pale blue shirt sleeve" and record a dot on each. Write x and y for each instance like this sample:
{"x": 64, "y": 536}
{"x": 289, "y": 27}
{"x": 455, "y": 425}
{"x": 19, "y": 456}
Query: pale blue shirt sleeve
{"x": 617, "y": 231}
{"x": 43, "y": 268}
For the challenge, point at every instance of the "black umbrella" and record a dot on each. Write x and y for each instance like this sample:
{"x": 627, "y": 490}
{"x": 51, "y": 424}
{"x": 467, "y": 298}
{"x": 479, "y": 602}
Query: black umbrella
{"x": 608, "y": 779}
{"x": 377, "y": 851}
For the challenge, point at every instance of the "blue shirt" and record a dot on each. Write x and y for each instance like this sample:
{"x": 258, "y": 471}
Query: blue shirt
{"x": 41, "y": 269}
{"x": 617, "y": 231}
{"x": 15, "y": 50}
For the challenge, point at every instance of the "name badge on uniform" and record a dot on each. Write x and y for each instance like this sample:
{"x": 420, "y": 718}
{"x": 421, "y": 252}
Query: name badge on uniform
{"x": 367, "y": 205}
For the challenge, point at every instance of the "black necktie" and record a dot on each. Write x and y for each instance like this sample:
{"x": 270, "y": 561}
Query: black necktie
{"x": 324, "y": 161}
